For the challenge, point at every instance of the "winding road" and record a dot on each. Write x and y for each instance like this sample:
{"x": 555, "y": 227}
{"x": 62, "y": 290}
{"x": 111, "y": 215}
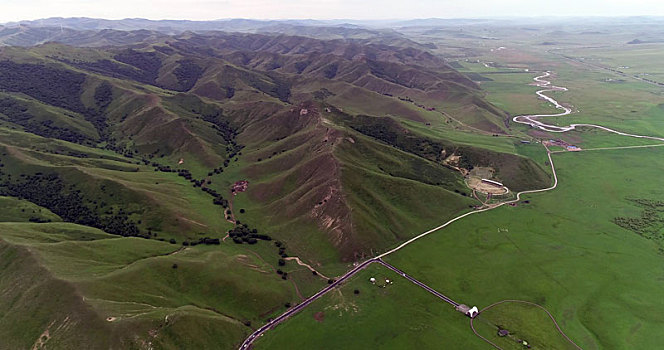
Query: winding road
{"x": 531, "y": 120}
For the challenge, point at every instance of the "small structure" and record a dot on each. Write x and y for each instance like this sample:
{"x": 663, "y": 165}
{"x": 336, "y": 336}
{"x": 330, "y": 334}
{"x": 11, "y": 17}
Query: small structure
{"x": 467, "y": 310}
{"x": 503, "y": 332}
{"x": 372, "y": 280}
{"x": 491, "y": 182}
{"x": 240, "y": 186}
{"x": 496, "y": 183}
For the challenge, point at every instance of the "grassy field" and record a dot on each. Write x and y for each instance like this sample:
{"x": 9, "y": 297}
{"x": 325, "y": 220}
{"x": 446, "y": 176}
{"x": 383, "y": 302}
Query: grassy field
{"x": 524, "y": 322}
{"x": 396, "y": 316}
{"x": 575, "y": 252}
{"x": 636, "y": 60}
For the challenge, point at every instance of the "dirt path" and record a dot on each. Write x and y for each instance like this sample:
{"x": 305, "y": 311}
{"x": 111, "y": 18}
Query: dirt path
{"x": 230, "y": 207}
{"x": 299, "y": 262}
{"x": 192, "y": 221}
{"x": 181, "y": 249}
{"x": 297, "y": 290}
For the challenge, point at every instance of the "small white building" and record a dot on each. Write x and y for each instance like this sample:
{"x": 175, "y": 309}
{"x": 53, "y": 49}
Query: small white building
{"x": 473, "y": 312}
{"x": 467, "y": 310}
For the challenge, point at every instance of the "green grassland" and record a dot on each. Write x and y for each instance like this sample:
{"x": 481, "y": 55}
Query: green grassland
{"x": 397, "y": 316}
{"x": 13, "y": 209}
{"x": 127, "y": 292}
{"x": 123, "y": 140}
{"x": 635, "y": 60}
{"x": 132, "y": 280}
{"x": 509, "y": 89}
{"x": 597, "y": 95}
{"x": 525, "y": 322}
{"x": 574, "y": 252}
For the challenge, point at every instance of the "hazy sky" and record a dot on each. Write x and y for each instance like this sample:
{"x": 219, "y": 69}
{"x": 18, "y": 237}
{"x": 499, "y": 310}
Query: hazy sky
{"x": 14, "y": 10}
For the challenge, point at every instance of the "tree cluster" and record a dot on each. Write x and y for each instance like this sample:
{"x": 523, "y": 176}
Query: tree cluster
{"x": 51, "y": 192}
{"x": 187, "y": 74}
{"x": 203, "y": 240}
{"x": 18, "y": 113}
{"x": 243, "y": 234}
{"x": 57, "y": 87}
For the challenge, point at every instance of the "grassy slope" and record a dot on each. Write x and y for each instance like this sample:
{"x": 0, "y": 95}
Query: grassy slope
{"x": 13, "y": 209}
{"x": 132, "y": 280}
{"x": 164, "y": 201}
{"x": 396, "y": 195}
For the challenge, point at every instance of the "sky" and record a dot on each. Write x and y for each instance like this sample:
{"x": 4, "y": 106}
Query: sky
{"x": 15, "y": 10}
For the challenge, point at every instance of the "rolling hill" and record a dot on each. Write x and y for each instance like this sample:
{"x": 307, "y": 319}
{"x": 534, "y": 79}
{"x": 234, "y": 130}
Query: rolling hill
{"x": 185, "y": 167}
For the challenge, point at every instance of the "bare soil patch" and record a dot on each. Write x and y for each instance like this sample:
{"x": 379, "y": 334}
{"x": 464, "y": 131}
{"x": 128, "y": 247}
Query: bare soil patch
{"x": 477, "y": 184}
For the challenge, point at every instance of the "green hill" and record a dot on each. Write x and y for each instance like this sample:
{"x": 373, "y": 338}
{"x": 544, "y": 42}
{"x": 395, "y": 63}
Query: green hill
{"x": 128, "y": 161}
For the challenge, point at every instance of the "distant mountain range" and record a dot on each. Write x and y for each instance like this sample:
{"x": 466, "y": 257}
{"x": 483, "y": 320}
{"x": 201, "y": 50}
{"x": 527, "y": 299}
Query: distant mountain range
{"x": 99, "y": 32}
{"x": 242, "y": 24}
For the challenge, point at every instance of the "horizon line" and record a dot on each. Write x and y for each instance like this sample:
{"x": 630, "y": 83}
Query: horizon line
{"x": 342, "y": 19}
